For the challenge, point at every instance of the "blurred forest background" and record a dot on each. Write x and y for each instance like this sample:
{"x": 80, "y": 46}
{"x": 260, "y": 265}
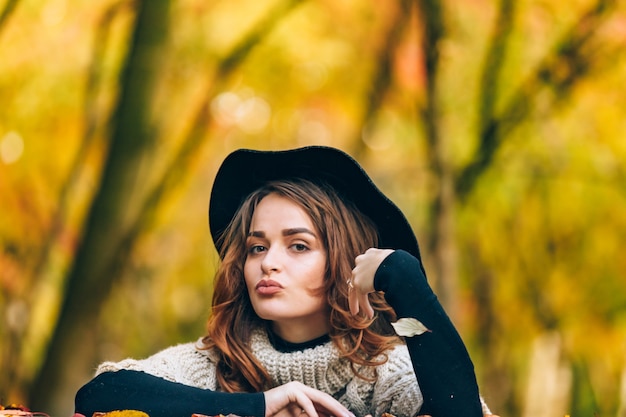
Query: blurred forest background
{"x": 498, "y": 126}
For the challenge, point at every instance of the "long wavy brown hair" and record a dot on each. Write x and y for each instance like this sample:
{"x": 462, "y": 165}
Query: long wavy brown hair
{"x": 345, "y": 233}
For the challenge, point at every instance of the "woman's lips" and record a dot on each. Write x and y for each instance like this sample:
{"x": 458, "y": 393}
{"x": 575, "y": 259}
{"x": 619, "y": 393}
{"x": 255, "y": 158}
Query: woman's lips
{"x": 268, "y": 287}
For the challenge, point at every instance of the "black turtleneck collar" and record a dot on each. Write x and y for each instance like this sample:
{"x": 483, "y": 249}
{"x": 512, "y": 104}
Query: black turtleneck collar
{"x": 284, "y": 346}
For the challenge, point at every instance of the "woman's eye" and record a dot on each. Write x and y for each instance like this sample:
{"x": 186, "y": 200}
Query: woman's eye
{"x": 300, "y": 247}
{"x": 256, "y": 249}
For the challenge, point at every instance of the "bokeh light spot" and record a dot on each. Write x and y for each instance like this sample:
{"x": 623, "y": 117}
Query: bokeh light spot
{"x": 11, "y": 147}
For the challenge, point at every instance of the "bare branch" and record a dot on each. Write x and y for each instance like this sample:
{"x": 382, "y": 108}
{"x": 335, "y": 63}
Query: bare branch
{"x": 201, "y": 119}
{"x": 432, "y": 20}
{"x": 9, "y": 8}
{"x": 382, "y": 77}
{"x": 492, "y": 68}
{"x": 560, "y": 70}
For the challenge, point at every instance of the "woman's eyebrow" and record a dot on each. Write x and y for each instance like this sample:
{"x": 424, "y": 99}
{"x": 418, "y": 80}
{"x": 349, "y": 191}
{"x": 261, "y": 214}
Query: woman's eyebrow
{"x": 286, "y": 232}
{"x": 298, "y": 230}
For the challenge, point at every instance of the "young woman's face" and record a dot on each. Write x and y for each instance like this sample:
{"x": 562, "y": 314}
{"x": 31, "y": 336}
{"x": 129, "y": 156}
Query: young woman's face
{"x": 284, "y": 270}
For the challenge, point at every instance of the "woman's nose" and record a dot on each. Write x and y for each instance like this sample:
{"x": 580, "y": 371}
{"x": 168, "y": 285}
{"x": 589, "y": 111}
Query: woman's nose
{"x": 271, "y": 261}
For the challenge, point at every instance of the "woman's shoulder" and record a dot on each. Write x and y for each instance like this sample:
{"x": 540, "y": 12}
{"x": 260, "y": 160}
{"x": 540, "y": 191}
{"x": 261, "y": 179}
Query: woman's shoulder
{"x": 398, "y": 353}
{"x": 398, "y": 361}
{"x": 185, "y": 363}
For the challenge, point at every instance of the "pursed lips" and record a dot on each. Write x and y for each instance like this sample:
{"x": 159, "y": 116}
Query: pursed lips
{"x": 268, "y": 287}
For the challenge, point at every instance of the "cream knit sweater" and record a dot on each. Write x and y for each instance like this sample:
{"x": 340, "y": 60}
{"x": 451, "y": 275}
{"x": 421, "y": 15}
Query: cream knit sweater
{"x": 395, "y": 391}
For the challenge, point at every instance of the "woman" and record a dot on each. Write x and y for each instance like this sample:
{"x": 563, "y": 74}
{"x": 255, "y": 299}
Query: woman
{"x": 316, "y": 265}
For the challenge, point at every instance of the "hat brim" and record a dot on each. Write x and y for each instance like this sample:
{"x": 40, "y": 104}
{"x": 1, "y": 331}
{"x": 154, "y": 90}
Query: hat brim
{"x": 245, "y": 170}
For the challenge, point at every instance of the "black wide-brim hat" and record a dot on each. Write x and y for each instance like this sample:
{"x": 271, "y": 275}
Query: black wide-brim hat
{"x": 245, "y": 170}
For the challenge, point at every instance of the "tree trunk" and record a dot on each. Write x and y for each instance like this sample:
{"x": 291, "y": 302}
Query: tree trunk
{"x": 107, "y": 239}
{"x": 442, "y": 235}
{"x": 444, "y": 241}
{"x": 549, "y": 380}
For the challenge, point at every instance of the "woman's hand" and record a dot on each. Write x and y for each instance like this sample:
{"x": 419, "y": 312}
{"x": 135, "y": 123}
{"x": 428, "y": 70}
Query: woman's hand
{"x": 298, "y": 400}
{"x": 362, "y": 281}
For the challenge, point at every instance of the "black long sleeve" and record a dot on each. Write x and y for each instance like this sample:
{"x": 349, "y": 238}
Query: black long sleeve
{"x": 444, "y": 370}
{"x": 133, "y": 390}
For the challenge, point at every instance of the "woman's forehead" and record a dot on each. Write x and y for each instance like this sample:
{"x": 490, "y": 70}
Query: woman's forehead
{"x": 279, "y": 210}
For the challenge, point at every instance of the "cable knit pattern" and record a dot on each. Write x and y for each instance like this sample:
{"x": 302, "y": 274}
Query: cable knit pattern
{"x": 395, "y": 390}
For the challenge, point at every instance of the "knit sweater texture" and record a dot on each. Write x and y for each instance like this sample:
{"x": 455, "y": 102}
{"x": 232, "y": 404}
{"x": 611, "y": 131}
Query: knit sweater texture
{"x": 395, "y": 389}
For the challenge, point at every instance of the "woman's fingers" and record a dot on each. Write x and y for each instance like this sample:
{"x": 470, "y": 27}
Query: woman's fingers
{"x": 294, "y": 399}
{"x": 363, "y": 304}
{"x": 358, "y": 300}
{"x": 361, "y": 282}
{"x": 353, "y": 297}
